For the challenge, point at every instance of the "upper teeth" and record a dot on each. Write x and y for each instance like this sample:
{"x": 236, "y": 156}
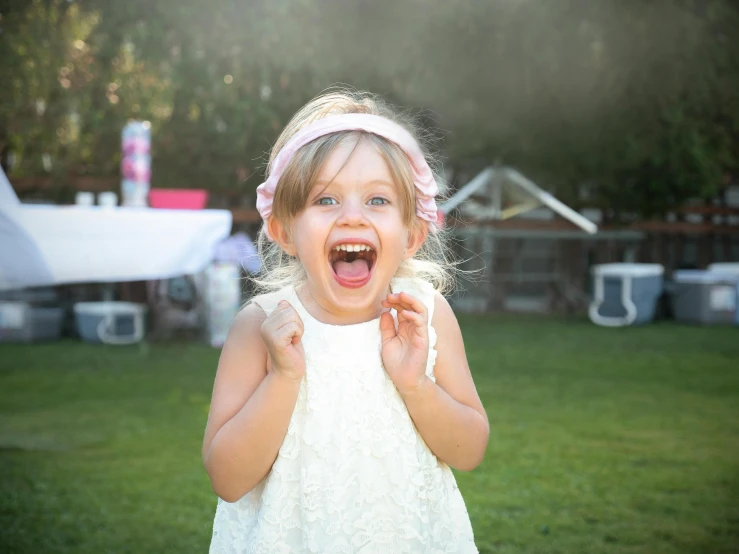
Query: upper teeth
{"x": 352, "y": 247}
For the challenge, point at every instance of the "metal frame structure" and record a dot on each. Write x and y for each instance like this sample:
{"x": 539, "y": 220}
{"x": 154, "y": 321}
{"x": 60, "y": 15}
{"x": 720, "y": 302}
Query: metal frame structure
{"x": 519, "y": 262}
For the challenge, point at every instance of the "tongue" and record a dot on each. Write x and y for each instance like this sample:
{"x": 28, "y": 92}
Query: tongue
{"x": 357, "y": 270}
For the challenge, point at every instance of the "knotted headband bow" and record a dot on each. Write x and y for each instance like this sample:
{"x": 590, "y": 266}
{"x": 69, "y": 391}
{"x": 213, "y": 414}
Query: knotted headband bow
{"x": 423, "y": 178}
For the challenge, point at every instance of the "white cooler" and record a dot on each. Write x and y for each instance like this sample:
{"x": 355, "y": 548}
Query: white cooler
{"x": 625, "y": 294}
{"x": 706, "y": 297}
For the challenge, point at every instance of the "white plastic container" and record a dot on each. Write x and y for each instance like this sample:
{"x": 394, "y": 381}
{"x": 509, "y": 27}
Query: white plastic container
{"x": 725, "y": 267}
{"x": 110, "y": 322}
{"x": 625, "y": 294}
{"x": 706, "y": 297}
{"x": 223, "y": 299}
{"x": 22, "y": 322}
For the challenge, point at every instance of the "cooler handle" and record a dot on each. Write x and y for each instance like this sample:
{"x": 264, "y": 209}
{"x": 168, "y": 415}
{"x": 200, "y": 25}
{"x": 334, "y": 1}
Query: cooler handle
{"x": 631, "y": 312}
{"x": 109, "y": 321}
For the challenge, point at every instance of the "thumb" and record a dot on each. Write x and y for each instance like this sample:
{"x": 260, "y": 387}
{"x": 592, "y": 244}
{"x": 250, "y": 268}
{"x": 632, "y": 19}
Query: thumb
{"x": 387, "y": 327}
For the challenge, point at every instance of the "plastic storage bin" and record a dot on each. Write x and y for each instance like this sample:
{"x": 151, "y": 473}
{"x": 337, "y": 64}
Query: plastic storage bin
{"x": 625, "y": 294}
{"x": 725, "y": 267}
{"x": 706, "y": 297}
{"x": 21, "y": 322}
{"x": 36, "y": 296}
{"x": 110, "y": 322}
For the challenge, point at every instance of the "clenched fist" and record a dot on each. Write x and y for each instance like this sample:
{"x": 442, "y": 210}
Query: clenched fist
{"x": 281, "y": 333}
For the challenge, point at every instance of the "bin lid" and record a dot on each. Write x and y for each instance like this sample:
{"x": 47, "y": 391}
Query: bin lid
{"x": 725, "y": 267}
{"x": 109, "y": 307}
{"x": 704, "y": 276}
{"x": 633, "y": 270}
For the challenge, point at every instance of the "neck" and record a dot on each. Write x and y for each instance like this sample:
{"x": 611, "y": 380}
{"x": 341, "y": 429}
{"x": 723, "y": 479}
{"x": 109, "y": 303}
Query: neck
{"x": 324, "y": 312}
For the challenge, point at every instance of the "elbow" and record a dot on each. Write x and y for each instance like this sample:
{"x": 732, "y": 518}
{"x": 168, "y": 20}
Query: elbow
{"x": 475, "y": 455}
{"x": 470, "y": 462}
{"x": 226, "y": 494}
{"x": 221, "y": 484}
{"x": 230, "y": 484}
{"x": 225, "y": 490}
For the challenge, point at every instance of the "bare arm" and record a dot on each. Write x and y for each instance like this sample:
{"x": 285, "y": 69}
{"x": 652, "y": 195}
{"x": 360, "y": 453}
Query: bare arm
{"x": 448, "y": 413}
{"x": 250, "y": 409}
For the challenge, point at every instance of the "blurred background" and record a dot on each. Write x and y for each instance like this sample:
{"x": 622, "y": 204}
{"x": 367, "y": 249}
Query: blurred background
{"x": 625, "y": 106}
{"x": 592, "y": 152}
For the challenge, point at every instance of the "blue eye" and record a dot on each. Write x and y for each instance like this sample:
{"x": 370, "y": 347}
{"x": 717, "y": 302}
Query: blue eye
{"x": 378, "y": 201}
{"x": 326, "y": 201}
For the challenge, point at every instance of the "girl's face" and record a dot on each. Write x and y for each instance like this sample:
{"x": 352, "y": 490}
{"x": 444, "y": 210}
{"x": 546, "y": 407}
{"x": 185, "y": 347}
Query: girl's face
{"x": 350, "y": 237}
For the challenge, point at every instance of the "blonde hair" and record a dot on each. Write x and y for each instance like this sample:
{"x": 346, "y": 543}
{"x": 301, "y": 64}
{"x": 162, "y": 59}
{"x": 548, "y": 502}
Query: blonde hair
{"x": 432, "y": 262}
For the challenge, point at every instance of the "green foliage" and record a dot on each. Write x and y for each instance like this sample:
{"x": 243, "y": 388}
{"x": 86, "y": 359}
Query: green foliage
{"x": 634, "y": 101}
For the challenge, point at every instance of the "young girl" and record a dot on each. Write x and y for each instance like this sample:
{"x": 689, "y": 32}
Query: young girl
{"x": 343, "y": 396}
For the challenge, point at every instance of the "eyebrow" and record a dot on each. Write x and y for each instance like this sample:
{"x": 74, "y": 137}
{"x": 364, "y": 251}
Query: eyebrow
{"x": 323, "y": 184}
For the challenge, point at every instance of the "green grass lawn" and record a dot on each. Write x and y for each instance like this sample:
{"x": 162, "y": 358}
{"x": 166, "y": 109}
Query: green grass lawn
{"x": 602, "y": 441}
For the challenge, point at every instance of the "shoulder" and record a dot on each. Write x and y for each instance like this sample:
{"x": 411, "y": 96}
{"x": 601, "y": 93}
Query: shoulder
{"x": 444, "y": 319}
{"x": 246, "y": 326}
{"x": 265, "y": 303}
{"x": 451, "y": 369}
{"x": 250, "y": 317}
{"x": 442, "y": 308}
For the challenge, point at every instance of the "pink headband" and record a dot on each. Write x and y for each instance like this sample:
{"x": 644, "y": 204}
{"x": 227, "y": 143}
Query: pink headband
{"x": 423, "y": 178}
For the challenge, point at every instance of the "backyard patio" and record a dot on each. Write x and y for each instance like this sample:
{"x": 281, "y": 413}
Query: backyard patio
{"x": 602, "y": 441}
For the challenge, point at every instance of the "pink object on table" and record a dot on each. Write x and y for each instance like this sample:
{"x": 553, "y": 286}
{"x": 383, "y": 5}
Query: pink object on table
{"x": 178, "y": 199}
{"x": 136, "y": 145}
{"x": 136, "y": 168}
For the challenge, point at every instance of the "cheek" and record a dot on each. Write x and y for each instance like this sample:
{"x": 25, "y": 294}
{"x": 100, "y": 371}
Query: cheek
{"x": 399, "y": 244}
{"x": 310, "y": 238}
{"x": 391, "y": 216}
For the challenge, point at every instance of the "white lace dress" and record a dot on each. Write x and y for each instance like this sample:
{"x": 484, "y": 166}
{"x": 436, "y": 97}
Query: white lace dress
{"x": 353, "y": 474}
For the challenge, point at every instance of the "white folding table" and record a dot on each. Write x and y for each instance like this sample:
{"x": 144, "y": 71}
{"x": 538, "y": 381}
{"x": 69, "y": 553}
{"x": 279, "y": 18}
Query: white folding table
{"x": 42, "y": 245}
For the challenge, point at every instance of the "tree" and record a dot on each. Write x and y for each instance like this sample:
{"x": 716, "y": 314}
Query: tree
{"x": 631, "y": 102}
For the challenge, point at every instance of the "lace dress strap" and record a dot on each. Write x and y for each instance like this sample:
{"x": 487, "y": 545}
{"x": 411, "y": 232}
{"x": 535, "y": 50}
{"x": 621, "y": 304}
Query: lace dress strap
{"x": 423, "y": 290}
{"x": 268, "y": 302}
{"x": 426, "y": 293}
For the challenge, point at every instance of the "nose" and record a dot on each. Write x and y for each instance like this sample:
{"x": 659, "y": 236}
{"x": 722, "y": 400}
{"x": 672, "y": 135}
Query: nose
{"x": 352, "y": 213}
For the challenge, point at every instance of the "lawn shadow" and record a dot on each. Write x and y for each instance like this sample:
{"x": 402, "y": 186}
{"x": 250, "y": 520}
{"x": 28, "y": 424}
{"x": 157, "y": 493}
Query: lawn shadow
{"x": 724, "y": 531}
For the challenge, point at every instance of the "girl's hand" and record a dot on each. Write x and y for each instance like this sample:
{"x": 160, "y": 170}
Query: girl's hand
{"x": 281, "y": 333}
{"x": 405, "y": 351}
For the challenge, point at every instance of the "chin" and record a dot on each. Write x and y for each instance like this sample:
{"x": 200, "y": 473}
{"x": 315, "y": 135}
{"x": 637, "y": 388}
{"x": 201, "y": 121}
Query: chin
{"x": 359, "y": 296}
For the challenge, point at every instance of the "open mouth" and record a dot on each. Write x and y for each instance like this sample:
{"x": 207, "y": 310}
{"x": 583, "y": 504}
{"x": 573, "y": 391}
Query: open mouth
{"x": 352, "y": 263}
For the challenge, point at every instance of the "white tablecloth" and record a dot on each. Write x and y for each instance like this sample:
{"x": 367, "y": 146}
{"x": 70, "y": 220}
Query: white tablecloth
{"x": 47, "y": 245}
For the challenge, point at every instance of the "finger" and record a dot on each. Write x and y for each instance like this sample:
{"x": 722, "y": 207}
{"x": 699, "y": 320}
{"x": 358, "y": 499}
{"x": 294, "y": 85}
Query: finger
{"x": 284, "y": 313}
{"x": 387, "y": 327}
{"x": 417, "y": 319}
{"x": 281, "y": 317}
{"x": 404, "y": 298}
{"x": 392, "y": 301}
{"x": 414, "y": 303}
{"x": 406, "y": 301}
{"x": 290, "y": 332}
{"x": 282, "y": 305}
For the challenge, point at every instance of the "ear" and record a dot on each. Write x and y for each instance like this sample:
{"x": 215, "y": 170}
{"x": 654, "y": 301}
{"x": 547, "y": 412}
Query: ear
{"x": 416, "y": 237}
{"x": 282, "y": 236}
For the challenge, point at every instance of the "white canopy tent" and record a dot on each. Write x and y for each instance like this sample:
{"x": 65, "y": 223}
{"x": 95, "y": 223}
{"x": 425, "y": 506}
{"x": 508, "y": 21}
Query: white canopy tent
{"x": 524, "y": 249}
{"x": 521, "y": 195}
{"x": 43, "y": 245}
